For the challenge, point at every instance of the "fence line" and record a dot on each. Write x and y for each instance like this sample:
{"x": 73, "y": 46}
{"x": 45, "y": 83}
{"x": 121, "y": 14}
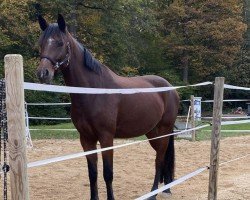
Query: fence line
{"x": 236, "y": 131}
{"x": 47, "y": 104}
{"x": 238, "y": 117}
{"x": 50, "y": 118}
{"x": 186, "y": 177}
{"x": 204, "y": 101}
{"x": 235, "y": 122}
{"x": 15, "y": 89}
{"x": 225, "y": 100}
{"x": 227, "y": 86}
{"x": 67, "y": 118}
{"x": 83, "y": 90}
{"x": 48, "y": 129}
{"x": 235, "y": 159}
{"x": 81, "y": 154}
{"x": 223, "y": 124}
{"x": 176, "y": 182}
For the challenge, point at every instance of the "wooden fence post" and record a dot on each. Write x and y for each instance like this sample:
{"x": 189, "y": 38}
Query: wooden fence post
{"x": 215, "y": 138}
{"x": 16, "y": 127}
{"x": 192, "y": 116}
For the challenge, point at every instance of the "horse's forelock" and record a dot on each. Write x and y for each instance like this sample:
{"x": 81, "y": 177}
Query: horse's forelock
{"x": 50, "y": 31}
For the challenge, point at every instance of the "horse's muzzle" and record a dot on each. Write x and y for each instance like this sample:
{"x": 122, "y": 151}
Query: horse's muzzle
{"x": 45, "y": 72}
{"x": 45, "y": 76}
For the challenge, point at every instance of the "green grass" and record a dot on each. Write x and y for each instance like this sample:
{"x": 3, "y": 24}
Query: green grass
{"x": 46, "y": 134}
{"x": 203, "y": 134}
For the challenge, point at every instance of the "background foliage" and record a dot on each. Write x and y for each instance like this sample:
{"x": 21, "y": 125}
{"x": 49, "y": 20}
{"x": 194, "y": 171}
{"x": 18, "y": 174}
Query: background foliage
{"x": 184, "y": 41}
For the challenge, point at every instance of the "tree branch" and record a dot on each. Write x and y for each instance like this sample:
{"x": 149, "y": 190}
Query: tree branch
{"x": 97, "y": 7}
{"x": 90, "y": 7}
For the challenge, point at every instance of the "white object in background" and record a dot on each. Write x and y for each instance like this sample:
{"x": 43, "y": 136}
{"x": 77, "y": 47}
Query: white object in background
{"x": 197, "y": 108}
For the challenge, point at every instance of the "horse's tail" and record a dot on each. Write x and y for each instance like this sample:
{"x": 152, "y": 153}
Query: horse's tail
{"x": 169, "y": 163}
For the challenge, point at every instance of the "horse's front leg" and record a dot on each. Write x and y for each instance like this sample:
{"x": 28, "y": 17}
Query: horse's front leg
{"x": 92, "y": 168}
{"x": 107, "y": 157}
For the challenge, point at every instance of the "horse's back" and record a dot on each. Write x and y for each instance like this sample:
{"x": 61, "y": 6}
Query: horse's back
{"x": 142, "y": 81}
{"x": 152, "y": 81}
{"x": 156, "y": 81}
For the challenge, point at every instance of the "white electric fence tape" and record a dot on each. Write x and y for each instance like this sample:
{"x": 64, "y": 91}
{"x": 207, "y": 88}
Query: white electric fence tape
{"x": 233, "y": 131}
{"x": 176, "y": 182}
{"x": 235, "y": 122}
{"x": 81, "y": 154}
{"x": 205, "y": 101}
{"x": 229, "y": 161}
{"x": 50, "y": 118}
{"x": 184, "y": 178}
{"x": 82, "y": 90}
{"x": 52, "y": 129}
{"x": 237, "y": 117}
{"x": 57, "y": 118}
{"x": 47, "y": 104}
{"x": 226, "y": 100}
{"x": 65, "y": 89}
{"x": 27, "y": 130}
{"x": 235, "y": 87}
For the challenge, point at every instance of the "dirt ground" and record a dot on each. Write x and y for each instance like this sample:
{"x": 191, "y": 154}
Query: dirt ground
{"x": 134, "y": 171}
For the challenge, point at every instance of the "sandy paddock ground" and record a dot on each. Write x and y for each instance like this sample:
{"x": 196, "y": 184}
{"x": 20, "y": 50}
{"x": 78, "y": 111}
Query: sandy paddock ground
{"x": 134, "y": 171}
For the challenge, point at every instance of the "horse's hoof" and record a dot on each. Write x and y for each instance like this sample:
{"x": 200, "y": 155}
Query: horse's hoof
{"x": 152, "y": 198}
{"x": 166, "y": 194}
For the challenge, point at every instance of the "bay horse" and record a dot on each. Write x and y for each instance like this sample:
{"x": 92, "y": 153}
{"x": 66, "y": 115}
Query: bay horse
{"x": 107, "y": 116}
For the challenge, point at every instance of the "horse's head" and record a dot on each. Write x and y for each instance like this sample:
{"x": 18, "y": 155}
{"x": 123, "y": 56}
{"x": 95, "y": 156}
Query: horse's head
{"x": 54, "y": 48}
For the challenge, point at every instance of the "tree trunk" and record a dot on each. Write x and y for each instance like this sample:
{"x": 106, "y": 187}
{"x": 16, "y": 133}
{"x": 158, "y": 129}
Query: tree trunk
{"x": 184, "y": 62}
{"x": 73, "y": 14}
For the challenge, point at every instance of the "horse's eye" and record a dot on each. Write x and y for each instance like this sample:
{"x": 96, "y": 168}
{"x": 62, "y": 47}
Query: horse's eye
{"x": 59, "y": 43}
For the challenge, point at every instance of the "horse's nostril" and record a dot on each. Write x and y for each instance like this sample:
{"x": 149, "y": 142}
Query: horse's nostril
{"x": 46, "y": 72}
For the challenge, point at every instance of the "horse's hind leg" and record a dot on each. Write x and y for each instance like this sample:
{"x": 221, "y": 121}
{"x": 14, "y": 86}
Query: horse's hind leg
{"x": 160, "y": 146}
{"x": 169, "y": 165}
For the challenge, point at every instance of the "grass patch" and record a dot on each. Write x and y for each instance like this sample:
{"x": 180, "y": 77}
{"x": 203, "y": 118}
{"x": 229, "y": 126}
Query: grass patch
{"x": 54, "y": 134}
{"x": 203, "y": 134}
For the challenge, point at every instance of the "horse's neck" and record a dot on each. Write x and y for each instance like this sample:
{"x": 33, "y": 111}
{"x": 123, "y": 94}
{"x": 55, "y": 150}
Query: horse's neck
{"x": 78, "y": 75}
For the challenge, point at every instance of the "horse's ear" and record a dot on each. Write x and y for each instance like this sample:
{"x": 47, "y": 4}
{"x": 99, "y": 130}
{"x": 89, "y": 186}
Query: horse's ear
{"x": 42, "y": 22}
{"x": 61, "y": 23}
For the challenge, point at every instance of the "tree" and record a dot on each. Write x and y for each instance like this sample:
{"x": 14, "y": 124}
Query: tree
{"x": 203, "y": 37}
{"x": 240, "y": 73}
{"x": 118, "y": 32}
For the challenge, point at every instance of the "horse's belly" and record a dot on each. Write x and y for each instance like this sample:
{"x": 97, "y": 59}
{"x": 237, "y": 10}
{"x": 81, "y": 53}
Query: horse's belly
{"x": 132, "y": 131}
{"x": 138, "y": 117}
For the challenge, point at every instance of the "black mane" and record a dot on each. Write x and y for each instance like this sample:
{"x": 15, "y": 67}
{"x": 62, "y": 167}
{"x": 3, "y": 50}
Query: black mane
{"x": 89, "y": 61}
